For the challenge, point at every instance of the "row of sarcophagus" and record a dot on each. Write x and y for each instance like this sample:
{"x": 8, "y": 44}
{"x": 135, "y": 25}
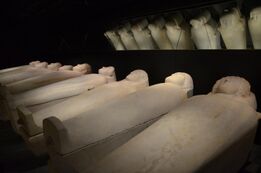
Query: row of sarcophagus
{"x": 89, "y": 122}
{"x": 201, "y": 32}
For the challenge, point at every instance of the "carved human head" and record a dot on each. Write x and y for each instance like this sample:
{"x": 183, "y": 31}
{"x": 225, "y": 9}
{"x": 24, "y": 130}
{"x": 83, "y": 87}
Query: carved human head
{"x": 108, "y": 72}
{"x": 66, "y": 67}
{"x": 41, "y": 65}
{"x": 140, "y": 25}
{"x": 201, "y": 20}
{"x": 182, "y": 80}
{"x": 139, "y": 77}
{"x": 33, "y": 63}
{"x": 54, "y": 66}
{"x": 255, "y": 13}
{"x": 83, "y": 68}
{"x": 231, "y": 18}
{"x": 235, "y": 86}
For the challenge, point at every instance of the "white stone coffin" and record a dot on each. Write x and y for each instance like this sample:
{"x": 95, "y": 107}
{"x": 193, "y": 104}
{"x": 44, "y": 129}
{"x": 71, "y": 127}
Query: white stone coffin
{"x": 32, "y": 123}
{"x": 158, "y": 32}
{"x": 127, "y": 37}
{"x": 35, "y": 143}
{"x": 233, "y": 29}
{"x": 204, "y": 32}
{"x": 178, "y": 32}
{"x": 108, "y": 126}
{"x": 207, "y": 133}
{"x": 23, "y": 73}
{"x": 142, "y": 35}
{"x": 114, "y": 39}
{"x": 33, "y": 63}
{"x": 254, "y": 24}
{"x": 58, "y": 90}
{"x": 45, "y": 79}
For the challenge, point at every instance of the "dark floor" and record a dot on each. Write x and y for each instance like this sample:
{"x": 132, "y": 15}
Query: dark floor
{"x": 16, "y": 158}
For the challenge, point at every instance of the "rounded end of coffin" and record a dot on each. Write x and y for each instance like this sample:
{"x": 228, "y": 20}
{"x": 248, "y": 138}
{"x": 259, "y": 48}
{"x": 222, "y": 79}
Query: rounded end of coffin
{"x": 66, "y": 68}
{"x": 201, "y": 20}
{"x": 140, "y": 25}
{"x": 255, "y": 13}
{"x": 54, "y": 66}
{"x": 230, "y": 18}
{"x": 26, "y": 120}
{"x": 182, "y": 80}
{"x": 108, "y": 72}
{"x": 139, "y": 77}
{"x": 236, "y": 86}
{"x": 33, "y": 63}
{"x": 54, "y": 134}
{"x": 82, "y": 68}
{"x": 41, "y": 65}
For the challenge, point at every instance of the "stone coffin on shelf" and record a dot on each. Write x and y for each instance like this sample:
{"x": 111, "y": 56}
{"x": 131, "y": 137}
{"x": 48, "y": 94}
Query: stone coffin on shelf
{"x": 207, "y": 133}
{"x": 254, "y": 24}
{"x": 31, "y": 122}
{"x": 142, "y": 35}
{"x": 127, "y": 37}
{"x": 204, "y": 32}
{"x": 58, "y": 90}
{"x": 79, "y": 142}
{"x": 178, "y": 32}
{"x": 158, "y": 33}
{"x": 233, "y": 29}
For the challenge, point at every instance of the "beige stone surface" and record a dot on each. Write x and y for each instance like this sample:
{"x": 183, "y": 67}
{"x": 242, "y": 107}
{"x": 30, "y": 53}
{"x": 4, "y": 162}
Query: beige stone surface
{"x": 127, "y": 37}
{"x": 114, "y": 39}
{"x": 254, "y": 24}
{"x": 204, "y": 32}
{"x": 142, "y": 35}
{"x": 159, "y": 35}
{"x": 233, "y": 29}
{"x": 117, "y": 122}
{"x": 178, "y": 32}
{"x": 207, "y": 133}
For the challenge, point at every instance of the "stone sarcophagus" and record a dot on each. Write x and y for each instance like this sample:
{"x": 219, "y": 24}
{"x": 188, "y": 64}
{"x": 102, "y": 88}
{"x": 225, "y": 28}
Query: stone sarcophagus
{"x": 114, "y": 39}
{"x": 24, "y": 72}
{"x": 143, "y": 35}
{"x": 204, "y": 32}
{"x": 33, "y": 63}
{"x": 233, "y": 29}
{"x": 207, "y": 133}
{"x": 110, "y": 125}
{"x": 55, "y": 91}
{"x": 31, "y": 122}
{"x": 48, "y": 78}
{"x": 254, "y": 24}
{"x": 127, "y": 37}
{"x": 178, "y": 32}
{"x": 159, "y": 34}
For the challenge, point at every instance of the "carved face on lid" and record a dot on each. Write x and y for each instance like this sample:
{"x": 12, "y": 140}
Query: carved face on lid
{"x": 33, "y": 63}
{"x": 230, "y": 18}
{"x": 54, "y": 66}
{"x": 138, "y": 76}
{"x": 232, "y": 85}
{"x": 181, "y": 79}
{"x": 82, "y": 68}
{"x": 255, "y": 13}
{"x": 66, "y": 67}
